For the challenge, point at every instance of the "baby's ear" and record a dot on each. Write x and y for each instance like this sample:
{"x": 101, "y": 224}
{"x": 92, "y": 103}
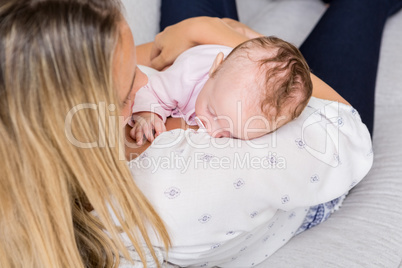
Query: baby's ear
{"x": 218, "y": 60}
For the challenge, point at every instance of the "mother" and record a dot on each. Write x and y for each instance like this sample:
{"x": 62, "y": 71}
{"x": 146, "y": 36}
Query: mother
{"x": 63, "y": 60}
{"x": 58, "y": 57}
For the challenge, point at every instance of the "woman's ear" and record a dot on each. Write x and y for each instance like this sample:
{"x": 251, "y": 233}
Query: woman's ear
{"x": 218, "y": 61}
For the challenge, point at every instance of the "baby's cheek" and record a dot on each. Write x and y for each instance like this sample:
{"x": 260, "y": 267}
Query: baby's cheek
{"x": 227, "y": 124}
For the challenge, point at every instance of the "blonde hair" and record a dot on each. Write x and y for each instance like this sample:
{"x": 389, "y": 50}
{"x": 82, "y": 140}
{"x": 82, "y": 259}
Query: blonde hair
{"x": 54, "y": 56}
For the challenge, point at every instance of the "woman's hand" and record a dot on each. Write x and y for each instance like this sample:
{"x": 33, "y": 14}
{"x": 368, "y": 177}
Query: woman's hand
{"x": 175, "y": 39}
{"x": 170, "y": 43}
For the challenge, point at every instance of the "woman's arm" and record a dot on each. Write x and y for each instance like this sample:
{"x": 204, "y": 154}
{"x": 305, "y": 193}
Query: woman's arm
{"x": 206, "y": 30}
{"x": 323, "y": 91}
{"x": 177, "y": 38}
{"x": 143, "y": 53}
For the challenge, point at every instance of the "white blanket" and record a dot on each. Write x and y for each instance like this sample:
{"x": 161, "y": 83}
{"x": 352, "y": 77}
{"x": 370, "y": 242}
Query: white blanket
{"x": 222, "y": 200}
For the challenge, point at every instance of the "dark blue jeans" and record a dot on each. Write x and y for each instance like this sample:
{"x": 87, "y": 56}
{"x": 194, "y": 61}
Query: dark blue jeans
{"x": 173, "y": 11}
{"x": 343, "y": 48}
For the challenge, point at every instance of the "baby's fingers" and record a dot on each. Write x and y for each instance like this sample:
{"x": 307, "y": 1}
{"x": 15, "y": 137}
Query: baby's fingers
{"x": 159, "y": 128}
{"x": 134, "y": 131}
{"x": 139, "y": 135}
{"x": 148, "y": 131}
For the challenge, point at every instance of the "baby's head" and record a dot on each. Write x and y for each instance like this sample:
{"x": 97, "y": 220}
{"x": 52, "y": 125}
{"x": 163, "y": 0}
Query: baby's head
{"x": 262, "y": 84}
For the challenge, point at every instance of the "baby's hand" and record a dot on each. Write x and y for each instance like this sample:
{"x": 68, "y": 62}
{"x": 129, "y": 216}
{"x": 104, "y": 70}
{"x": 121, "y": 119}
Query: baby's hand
{"x": 147, "y": 124}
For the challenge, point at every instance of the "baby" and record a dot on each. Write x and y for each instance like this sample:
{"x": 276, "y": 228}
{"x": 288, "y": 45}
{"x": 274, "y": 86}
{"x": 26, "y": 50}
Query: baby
{"x": 261, "y": 85}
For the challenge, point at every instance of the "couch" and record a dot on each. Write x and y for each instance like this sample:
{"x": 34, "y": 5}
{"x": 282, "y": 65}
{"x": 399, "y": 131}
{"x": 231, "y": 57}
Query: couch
{"x": 367, "y": 230}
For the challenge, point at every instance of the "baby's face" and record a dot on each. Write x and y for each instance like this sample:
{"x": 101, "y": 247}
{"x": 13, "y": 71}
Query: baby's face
{"x": 229, "y": 105}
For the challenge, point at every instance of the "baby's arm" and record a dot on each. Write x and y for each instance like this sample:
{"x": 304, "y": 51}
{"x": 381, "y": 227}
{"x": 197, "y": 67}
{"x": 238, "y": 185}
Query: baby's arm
{"x": 164, "y": 93}
{"x": 148, "y": 115}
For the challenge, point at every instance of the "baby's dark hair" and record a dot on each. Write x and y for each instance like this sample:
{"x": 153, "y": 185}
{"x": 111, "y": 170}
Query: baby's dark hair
{"x": 286, "y": 83}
